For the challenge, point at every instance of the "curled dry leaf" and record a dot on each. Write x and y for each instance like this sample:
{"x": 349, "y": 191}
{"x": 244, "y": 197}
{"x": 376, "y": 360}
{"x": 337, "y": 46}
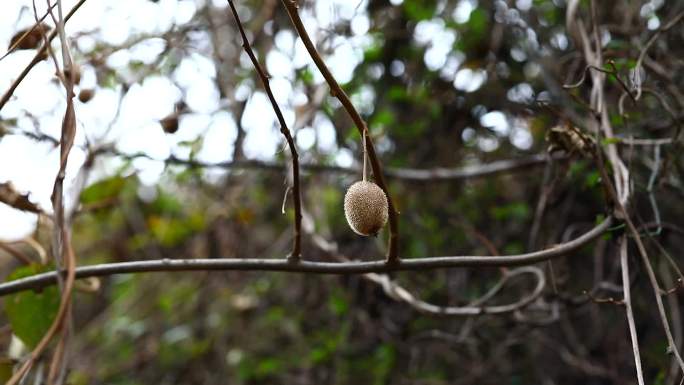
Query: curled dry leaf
{"x": 29, "y": 38}
{"x": 170, "y": 124}
{"x": 11, "y": 197}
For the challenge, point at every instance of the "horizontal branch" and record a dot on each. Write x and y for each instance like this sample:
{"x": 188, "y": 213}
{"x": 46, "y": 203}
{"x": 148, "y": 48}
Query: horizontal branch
{"x": 409, "y": 174}
{"x": 354, "y": 267}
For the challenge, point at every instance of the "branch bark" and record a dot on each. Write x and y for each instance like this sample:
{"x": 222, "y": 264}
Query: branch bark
{"x": 628, "y": 309}
{"x": 357, "y": 267}
{"x": 65, "y": 258}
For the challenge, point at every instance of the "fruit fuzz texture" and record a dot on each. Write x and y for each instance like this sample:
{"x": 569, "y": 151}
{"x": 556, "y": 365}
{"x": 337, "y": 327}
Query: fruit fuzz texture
{"x": 365, "y": 206}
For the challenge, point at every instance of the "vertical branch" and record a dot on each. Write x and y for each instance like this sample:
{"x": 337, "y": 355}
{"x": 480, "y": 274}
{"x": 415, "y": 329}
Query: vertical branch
{"x": 62, "y": 230}
{"x": 673, "y": 303}
{"x": 64, "y": 254}
{"x": 621, "y": 191}
{"x": 628, "y": 309}
{"x": 296, "y": 248}
{"x": 637, "y": 67}
{"x": 657, "y": 291}
{"x": 291, "y": 7}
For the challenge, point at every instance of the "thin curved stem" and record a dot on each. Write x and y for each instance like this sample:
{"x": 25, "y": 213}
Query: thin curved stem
{"x": 399, "y": 293}
{"x": 296, "y": 247}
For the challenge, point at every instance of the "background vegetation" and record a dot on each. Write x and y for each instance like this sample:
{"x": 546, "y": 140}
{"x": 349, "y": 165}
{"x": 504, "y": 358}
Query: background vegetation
{"x": 448, "y": 89}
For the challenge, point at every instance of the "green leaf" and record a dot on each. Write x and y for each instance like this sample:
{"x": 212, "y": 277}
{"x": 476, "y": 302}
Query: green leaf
{"x": 478, "y": 23}
{"x": 6, "y": 365}
{"x": 398, "y": 94}
{"x": 109, "y": 80}
{"x": 607, "y": 141}
{"x": 171, "y": 231}
{"x": 516, "y": 210}
{"x": 338, "y": 303}
{"x": 268, "y": 366}
{"x": 166, "y": 204}
{"x": 419, "y": 9}
{"x": 599, "y": 218}
{"x": 384, "y": 118}
{"x": 306, "y": 76}
{"x": 103, "y": 190}
{"x": 383, "y": 361}
{"x": 374, "y": 50}
{"x": 31, "y": 313}
{"x": 592, "y": 179}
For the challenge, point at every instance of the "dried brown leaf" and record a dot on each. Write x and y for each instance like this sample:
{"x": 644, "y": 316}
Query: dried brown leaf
{"x": 29, "y": 38}
{"x": 11, "y": 197}
{"x": 68, "y": 135}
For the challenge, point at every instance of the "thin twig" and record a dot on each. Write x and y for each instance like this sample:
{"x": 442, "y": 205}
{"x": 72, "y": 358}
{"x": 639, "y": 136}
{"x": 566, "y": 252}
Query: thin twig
{"x": 649, "y": 43}
{"x": 673, "y": 303}
{"x": 628, "y": 309}
{"x": 19, "y": 256}
{"x": 61, "y": 235}
{"x": 291, "y": 7}
{"x": 296, "y": 248}
{"x": 621, "y": 191}
{"x": 605, "y": 71}
{"x": 600, "y": 301}
{"x": 656, "y": 289}
{"x": 649, "y": 188}
{"x": 440, "y": 174}
{"x": 65, "y": 258}
{"x": 399, "y": 293}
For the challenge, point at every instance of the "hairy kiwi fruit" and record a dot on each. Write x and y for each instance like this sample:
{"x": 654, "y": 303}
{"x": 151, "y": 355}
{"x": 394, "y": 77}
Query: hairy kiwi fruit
{"x": 365, "y": 206}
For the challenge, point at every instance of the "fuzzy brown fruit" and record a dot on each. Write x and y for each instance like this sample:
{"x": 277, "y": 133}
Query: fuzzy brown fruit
{"x": 365, "y": 206}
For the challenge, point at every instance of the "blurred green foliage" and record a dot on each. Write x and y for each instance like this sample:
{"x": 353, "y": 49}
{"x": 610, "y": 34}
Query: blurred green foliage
{"x": 262, "y": 328}
{"x": 31, "y": 313}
